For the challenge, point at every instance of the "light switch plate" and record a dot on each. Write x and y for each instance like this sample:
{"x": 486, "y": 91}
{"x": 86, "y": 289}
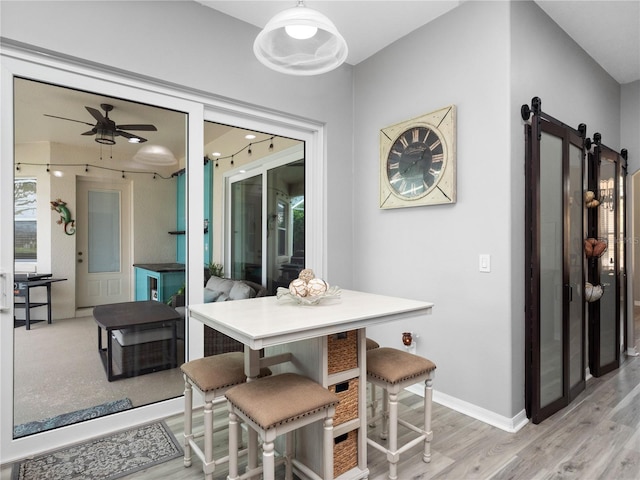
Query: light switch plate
{"x": 485, "y": 262}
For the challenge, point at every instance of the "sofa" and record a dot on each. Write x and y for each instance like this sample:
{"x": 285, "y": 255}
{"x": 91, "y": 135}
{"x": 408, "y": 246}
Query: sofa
{"x": 218, "y": 289}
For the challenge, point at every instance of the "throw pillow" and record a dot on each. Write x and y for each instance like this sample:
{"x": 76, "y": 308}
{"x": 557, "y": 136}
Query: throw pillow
{"x": 223, "y": 285}
{"x": 211, "y": 295}
{"x": 241, "y": 291}
{"x": 222, "y": 298}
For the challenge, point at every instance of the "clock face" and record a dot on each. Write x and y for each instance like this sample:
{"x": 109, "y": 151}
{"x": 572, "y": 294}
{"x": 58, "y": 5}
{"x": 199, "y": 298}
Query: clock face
{"x": 417, "y": 161}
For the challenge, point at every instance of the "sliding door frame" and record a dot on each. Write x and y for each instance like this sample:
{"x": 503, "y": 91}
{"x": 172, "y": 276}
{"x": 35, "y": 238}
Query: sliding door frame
{"x": 19, "y": 60}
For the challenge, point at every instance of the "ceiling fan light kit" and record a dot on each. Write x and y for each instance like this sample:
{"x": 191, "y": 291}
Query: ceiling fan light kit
{"x": 105, "y": 137}
{"x": 300, "y": 41}
{"x": 105, "y": 130}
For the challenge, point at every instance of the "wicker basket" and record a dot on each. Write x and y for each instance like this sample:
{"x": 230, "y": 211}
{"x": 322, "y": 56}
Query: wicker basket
{"x": 347, "y": 409}
{"x": 216, "y": 343}
{"x": 342, "y": 351}
{"x": 132, "y": 359}
{"x": 345, "y": 453}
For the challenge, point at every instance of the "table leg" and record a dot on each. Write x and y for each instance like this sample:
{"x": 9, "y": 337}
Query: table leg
{"x": 174, "y": 345}
{"x": 27, "y": 309}
{"x": 109, "y": 357}
{"x": 251, "y": 363}
{"x": 49, "y": 303}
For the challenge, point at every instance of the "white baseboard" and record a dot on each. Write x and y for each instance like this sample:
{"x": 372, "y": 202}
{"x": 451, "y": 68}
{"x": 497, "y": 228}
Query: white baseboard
{"x": 84, "y": 312}
{"x": 507, "y": 424}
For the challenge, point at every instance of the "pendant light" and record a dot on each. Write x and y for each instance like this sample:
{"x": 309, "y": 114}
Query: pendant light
{"x": 155, "y": 155}
{"x": 300, "y": 41}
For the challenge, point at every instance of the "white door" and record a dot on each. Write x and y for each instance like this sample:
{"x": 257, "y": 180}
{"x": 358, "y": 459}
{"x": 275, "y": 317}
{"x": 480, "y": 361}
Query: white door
{"x": 103, "y": 259}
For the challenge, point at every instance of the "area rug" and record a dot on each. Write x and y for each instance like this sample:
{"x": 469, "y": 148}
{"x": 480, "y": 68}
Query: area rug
{"x": 106, "y": 458}
{"x": 37, "y": 426}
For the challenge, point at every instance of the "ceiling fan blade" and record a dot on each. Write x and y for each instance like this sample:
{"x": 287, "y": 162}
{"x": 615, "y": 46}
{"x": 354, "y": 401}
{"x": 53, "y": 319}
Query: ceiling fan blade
{"x": 130, "y": 135}
{"x": 90, "y": 132}
{"x": 70, "y": 119}
{"x": 96, "y": 114}
{"x": 148, "y": 128}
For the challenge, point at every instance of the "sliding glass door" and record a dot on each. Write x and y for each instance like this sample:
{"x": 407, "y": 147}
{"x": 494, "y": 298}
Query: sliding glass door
{"x": 266, "y": 215}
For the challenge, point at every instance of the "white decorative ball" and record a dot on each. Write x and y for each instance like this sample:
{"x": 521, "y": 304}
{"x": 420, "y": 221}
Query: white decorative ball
{"x": 298, "y": 287}
{"x": 316, "y": 286}
{"x": 306, "y": 275}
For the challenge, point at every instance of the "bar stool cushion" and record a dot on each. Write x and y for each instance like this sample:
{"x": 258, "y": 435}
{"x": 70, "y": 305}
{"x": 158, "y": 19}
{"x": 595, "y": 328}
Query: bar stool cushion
{"x": 218, "y": 371}
{"x": 280, "y": 399}
{"x": 394, "y": 366}
{"x": 371, "y": 344}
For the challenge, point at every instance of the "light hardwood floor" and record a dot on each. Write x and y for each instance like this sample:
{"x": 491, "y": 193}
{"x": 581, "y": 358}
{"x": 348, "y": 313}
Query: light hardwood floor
{"x": 596, "y": 437}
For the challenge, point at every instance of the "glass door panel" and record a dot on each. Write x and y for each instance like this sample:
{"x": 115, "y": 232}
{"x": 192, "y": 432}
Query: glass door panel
{"x": 246, "y": 229}
{"x": 608, "y": 315}
{"x": 576, "y": 271}
{"x": 103, "y": 252}
{"x": 551, "y": 274}
{"x": 607, "y": 263}
{"x": 285, "y": 229}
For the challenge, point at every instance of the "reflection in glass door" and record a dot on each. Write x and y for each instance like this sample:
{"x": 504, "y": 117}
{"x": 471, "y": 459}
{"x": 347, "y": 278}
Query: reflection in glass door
{"x": 246, "y": 229}
{"x": 267, "y": 221}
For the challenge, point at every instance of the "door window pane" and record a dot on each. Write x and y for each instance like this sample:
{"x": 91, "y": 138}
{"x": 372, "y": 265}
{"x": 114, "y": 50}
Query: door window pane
{"x": 576, "y": 280}
{"x": 551, "y": 281}
{"x": 104, "y": 232}
{"x": 606, "y": 231}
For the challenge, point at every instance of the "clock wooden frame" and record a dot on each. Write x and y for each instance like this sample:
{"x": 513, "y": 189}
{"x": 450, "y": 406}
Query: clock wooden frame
{"x": 440, "y": 140}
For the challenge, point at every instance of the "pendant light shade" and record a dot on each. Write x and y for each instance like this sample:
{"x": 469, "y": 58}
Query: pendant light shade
{"x": 155, "y": 155}
{"x": 300, "y": 41}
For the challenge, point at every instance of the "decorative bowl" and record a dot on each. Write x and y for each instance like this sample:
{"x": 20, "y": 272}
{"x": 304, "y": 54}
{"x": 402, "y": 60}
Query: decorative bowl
{"x": 332, "y": 292}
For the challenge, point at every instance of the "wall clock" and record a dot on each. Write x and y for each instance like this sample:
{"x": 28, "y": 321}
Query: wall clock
{"x": 418, "y": 161}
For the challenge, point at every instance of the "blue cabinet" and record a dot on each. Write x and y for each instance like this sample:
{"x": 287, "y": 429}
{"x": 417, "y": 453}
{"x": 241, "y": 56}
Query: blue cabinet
{"x": 158, "y": 281}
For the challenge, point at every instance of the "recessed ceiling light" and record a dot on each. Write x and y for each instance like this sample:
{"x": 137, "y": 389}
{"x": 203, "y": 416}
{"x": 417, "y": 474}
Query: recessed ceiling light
{"x": 250, "y": 136}
{"x": 134, "y": 140}
{"x": 216, "y": 154}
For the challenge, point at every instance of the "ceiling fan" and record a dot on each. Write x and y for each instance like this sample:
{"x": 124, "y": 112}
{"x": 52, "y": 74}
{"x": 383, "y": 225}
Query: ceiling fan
{"x": 106, "y": 129}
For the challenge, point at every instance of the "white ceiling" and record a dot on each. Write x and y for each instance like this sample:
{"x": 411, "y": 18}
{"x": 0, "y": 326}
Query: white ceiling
{"x": 607, "y": 30}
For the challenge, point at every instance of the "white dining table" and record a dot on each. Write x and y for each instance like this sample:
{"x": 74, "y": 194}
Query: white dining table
{"x": 296, "y": 334}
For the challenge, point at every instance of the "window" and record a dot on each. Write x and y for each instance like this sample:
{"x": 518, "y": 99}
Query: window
{"x": 282, "y": 227}
{"x": 25, "y": 219}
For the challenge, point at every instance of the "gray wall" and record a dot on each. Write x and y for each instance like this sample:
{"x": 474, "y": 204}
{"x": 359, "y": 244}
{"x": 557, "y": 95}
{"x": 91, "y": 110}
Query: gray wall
{"x": 431, "y": 253}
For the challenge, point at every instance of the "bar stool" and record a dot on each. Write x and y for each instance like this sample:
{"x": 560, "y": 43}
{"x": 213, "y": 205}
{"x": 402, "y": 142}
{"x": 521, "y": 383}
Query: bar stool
{"x": 277, "y": 405}
{"x": 394, "y": 370}
{"x": 212, "y": 377}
